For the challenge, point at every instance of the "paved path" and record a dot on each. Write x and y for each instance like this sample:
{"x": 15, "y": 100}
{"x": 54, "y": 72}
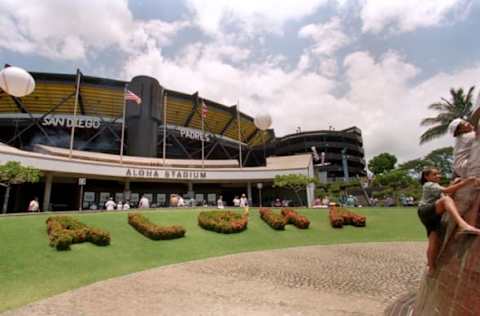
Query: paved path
{"x": 355, "y": 279}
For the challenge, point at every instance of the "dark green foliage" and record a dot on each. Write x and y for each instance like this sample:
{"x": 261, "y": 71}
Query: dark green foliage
{"x": 396, "y": 183}
{"x": 442, "y": 158}
{"x": 225, "y": 222}
{"x": 382, "y": 163}
{"x": 276, "y": 221}
{"x": 295, "y": 219}
{"x": 14, "y": 173}
{"x": 459, "y": 106}
{"x": 152, "y": 231}
{"x": 294, "y": 182}
{"x": 64, "y": 231}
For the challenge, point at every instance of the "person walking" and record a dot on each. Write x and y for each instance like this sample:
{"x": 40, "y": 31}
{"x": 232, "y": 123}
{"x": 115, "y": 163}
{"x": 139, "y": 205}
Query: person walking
{"x": 220, "y": 202}
{"x": 236, "y": 201}
{"x": 243, "y": 201}
{"x": 33, "y": 206}
{"x": 110, "y": 205}
{"x": 144, "y": 202}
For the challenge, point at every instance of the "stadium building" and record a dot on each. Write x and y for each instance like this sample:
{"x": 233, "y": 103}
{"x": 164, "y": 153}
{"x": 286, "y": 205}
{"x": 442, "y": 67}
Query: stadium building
{"x": 36, "y": 130}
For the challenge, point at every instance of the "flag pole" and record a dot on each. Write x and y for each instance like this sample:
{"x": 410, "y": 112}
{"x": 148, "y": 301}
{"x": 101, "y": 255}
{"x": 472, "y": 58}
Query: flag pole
{"x": 164, "y": 127}
{"x": 74, "y": 123}
{"x": 239, "y": 135}
{"x": 123, "y": 122}
{"x": 203, "y": 135}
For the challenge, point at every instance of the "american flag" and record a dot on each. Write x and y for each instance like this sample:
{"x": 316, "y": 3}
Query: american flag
{"x": 204, "y": 109}
{"x": 130, "y": 96}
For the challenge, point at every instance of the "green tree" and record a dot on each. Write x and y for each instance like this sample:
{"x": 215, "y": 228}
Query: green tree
{"x": 381, "y": 163}
{"x": 460, "y": 105}
{"x": 14, "y": 173}
{"x": 442, "y": 158}
{"x": 415, "y": 167}
{"x": 294, "y": 182}
{"x": 397, "y": 182}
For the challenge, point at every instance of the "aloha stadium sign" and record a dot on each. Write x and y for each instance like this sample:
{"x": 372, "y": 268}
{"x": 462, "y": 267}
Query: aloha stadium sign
{"x": 165, "y": 174}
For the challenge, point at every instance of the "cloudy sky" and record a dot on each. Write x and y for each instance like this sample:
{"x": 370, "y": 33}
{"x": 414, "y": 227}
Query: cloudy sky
{"x": 375, "y": 64}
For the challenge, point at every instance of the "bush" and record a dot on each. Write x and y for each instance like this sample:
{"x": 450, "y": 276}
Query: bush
{"x": 294, "y": 218}
{"x": 64, "y": 231}
{"x": 225, "y": 222}
{"x": 276, "y": 221}
{"x": 341, "y": 216}
{"x": 153, "y": 231}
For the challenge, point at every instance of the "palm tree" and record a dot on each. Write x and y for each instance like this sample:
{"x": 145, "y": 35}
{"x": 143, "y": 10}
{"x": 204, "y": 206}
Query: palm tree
{"x": 460, "y": 106}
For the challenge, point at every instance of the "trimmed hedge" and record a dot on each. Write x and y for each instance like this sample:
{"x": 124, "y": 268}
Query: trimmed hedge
{"x": 153, "y": 231}
{"x": 296, "y": 219}
{"x": 225, "y": 222}
{"x": 65, "y": 230}
{"x": 341, "y": 216}
{"x": 276, "y": 221}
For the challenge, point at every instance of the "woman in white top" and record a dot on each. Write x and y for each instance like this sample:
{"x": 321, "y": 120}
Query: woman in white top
{"x": 220, "y": 202}
{"x": 34, "y": 206}
{"x": 236, "y": 201}
{"x": 243, "y": 201}
{"x": 110, "y": 205}
{"x": 126, "y": 206}
{"x": 180, "y": 201}
{"x": 119, "y": 206}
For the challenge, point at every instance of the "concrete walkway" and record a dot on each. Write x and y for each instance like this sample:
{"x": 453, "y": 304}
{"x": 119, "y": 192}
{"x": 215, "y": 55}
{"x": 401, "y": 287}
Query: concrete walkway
{"x": 355, "y": 279}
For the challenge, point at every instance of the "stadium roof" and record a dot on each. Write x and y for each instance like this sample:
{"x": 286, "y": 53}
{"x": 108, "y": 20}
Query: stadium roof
{"x": 55, "y": 93}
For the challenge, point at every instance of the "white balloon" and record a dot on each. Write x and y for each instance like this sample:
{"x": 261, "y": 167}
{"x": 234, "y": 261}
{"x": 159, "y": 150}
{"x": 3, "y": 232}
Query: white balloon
{"x": 16, "y": 81}
{"x": 263, "y": 121}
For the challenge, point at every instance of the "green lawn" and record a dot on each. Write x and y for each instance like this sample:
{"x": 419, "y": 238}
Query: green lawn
{"x": 31, "y": 270}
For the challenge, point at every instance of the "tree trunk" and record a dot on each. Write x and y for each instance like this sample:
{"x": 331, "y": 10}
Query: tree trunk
{"x": 298, "y": 197}
{"x": 5, "y": 200}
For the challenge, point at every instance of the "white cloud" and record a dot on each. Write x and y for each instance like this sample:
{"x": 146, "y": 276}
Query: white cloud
{"x": 252, "y": 16}
{"x": 328, "y": 37}
{"x": 408, "y": 15}
{"x": 391, "y": 106}
{"x": 383, "y": 98}
{"x": 70, "y": 30}
{"x": 381, "y": 93}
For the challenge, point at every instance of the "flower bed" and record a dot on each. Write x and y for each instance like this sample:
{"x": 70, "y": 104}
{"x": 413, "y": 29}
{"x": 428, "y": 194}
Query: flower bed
{"x": 153, "y": 231}
{"x": 64, "y": 231}
{"x": 225, "y": 222}
{"x": 296, "y": 219}
{"x": 276, "y": 221}
{"x": 341, "y": 216}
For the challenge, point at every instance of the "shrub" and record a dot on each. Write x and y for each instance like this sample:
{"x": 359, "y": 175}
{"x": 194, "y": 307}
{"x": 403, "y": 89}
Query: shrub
{"x": 336, "y": 220}
{"x": 65, "y": 230}
{"x": 276, "y": 221}
{"x": 341, "y": 216}
{"x": 296, "y": 219}
{"x": 225, "y": 222}
{"x": 153, "y": 231}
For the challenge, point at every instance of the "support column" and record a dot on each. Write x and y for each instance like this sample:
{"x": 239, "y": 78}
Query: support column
{"x": 126, "y": 190}
{"x": 190, "y": 193}
{"x": 47, "y": 192}
{"x": 310, "y": 194}
{"x": 249, "y": 193}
